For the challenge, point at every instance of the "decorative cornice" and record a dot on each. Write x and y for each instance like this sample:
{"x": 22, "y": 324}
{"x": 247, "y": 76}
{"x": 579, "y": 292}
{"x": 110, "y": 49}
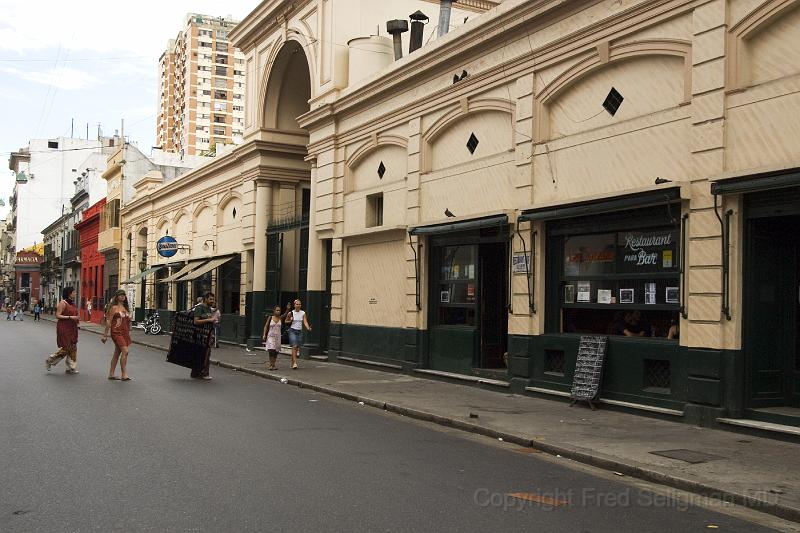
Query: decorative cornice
{"x": 263, "y": 20}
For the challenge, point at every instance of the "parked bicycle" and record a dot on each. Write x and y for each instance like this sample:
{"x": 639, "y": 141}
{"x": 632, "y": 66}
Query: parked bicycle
{"x": 151, "y": 324}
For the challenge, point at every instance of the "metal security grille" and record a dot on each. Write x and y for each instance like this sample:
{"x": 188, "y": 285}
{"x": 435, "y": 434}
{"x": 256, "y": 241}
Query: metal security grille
{"x": 554, "y": 361}
{"x": 656, "y": 374}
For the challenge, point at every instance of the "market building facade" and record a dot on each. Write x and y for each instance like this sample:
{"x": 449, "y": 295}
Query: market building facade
{"x": 545, "y": 172}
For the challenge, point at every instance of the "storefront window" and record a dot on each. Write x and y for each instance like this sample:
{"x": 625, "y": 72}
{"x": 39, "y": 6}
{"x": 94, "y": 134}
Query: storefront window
{"x": 229, "y": 283}
{"x": 456, "y": 288}
{"x": 202, "y": 285}
{"x": 162, "y": 289}
{"x": 621, "y": 283}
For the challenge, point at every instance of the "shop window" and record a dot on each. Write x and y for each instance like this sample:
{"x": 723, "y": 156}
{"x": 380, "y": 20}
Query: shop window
{"x": 456, "y": 287}
{"x": 619, "y": 283}
{"x": 201, "y": 286}
{"x": 375, "y": 210}
{"x": 229, "y": 283}
{"x": 162, "y": 289}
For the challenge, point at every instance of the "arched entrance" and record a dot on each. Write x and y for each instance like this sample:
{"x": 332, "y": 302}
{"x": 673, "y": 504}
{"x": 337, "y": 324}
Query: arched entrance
{"x": 283, "y": 194}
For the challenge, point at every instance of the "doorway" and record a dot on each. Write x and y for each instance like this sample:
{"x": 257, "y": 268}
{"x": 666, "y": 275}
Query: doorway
{"x": 772, "y": 311}
{"x": 468, "y": 329}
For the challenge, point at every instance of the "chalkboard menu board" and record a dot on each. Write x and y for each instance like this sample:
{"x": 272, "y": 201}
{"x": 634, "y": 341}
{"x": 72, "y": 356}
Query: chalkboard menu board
{"x": 589, "y": 368}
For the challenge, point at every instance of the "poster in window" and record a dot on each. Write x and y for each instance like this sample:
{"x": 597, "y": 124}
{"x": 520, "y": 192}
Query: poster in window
{"x": 569, "y": 294}
{"x": 584, "y": 291}
{"x": 672, "y": 295}
{"x": 586, "y": 255}
{"x": 470, "y": 293}
{"x": 444, "y": 297}
{"x": 626, "y": 296}
{"x": 604, "y": 296}
{"x": 650, "y": 293}
{"x": 647, "y": 251}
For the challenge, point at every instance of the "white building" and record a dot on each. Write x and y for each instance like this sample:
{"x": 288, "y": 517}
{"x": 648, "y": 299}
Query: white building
{"x": 46, "y": 174}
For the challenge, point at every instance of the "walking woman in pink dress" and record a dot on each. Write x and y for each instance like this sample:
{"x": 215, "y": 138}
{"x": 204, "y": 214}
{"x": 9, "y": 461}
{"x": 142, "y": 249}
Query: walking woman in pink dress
{"x": 66, "y": 332}
{"x": 118, "y": 320}
{"x": 272, "y": 336}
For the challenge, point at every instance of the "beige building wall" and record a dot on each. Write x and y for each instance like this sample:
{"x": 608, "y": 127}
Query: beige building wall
{"x": 707, "y": 85}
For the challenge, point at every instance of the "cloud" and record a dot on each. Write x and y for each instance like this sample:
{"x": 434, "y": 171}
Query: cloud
{"x": 64, "y": 78}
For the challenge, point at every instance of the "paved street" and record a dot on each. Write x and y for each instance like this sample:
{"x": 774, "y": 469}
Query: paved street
{"x": 166, "y": 453}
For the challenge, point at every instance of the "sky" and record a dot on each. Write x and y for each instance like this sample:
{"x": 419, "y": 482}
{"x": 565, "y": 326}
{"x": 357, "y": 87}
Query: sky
{"x": 88, "y": 60}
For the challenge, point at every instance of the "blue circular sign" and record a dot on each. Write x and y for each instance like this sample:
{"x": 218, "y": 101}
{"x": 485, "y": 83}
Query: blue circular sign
{"x": 167, "y": 246}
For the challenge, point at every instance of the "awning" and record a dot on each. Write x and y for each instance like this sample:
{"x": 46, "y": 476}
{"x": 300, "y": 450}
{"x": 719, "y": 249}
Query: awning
{"x": 464, "y": 225}
{"x": 138, "y": 277}
{"x": 188, "y": 267}
{"x": 603, "y": 205}
{"x": 208, "y": 267}
{"x": 757, "y": 182}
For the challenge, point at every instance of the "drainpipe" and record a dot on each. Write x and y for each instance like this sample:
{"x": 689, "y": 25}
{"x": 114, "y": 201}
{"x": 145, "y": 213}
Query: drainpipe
{"x": 418, "y": 20}
{"x": 444, "y": 16}
{"x": 396, "y": 28}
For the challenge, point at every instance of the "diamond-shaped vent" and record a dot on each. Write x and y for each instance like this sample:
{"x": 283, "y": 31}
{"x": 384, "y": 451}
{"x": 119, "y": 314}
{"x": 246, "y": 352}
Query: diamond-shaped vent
{"x": 472, "y": 143}
{"x": 234, "y": 212}
{"x": 381, "y": 170}
{"x": 613, "y": 101}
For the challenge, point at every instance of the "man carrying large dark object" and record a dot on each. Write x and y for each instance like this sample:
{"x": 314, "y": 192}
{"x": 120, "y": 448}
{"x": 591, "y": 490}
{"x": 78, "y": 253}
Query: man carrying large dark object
{"x": 203, "y": 314}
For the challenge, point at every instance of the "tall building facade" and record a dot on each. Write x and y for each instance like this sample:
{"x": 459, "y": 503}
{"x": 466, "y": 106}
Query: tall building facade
{"x": 201, "y": 88}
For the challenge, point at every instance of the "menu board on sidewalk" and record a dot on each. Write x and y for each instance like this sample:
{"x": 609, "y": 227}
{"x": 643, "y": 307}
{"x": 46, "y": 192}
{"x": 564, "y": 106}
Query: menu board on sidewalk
{"x": 589, "y": 368}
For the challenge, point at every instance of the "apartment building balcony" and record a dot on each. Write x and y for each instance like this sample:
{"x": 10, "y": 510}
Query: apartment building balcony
{"x": 109, "y": 239}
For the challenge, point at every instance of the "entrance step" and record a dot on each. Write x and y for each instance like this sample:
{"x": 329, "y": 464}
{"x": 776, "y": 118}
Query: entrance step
{"x": 319, "y": 357}
{"x": 785, "y": 416}
{"x": 616, "y": 403}
{"x": 368, "y": 362}
{"x": 463, "y": 377}
{"x": 771, "y": 427}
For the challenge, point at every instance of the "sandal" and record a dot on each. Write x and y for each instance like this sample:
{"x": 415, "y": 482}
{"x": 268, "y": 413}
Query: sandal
{"x": 126, "y": 379}
{"x": 114, "y": 378}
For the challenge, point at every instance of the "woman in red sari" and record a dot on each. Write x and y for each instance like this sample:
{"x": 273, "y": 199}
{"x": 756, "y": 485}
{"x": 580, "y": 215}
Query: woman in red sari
{"x": 66, "y": 332}
{"x": 118, "y": 320}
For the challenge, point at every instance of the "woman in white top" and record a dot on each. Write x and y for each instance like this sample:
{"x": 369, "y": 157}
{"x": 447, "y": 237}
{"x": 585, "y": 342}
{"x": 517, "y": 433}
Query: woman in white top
{"x": 297, "y": 319}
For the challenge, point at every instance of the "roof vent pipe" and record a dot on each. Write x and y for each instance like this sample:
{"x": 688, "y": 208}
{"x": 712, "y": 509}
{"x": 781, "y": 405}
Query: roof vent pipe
{"x": 444, "y": 16}
{"x": 418, "y": 20}
{"x": 396, "y": 28}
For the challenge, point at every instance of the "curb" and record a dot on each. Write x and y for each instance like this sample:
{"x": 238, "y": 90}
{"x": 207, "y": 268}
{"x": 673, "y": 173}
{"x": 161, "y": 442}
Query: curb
{"x": 567, "y": 452}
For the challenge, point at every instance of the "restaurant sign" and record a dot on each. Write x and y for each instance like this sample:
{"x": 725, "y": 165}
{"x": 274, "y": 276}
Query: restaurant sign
{"x": 648, "y": 251}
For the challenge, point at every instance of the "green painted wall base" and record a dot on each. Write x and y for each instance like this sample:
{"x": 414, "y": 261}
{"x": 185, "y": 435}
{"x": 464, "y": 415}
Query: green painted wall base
{"x": 233, "y": 328}
{"x": 313, "y": 306}
{"x": 373, "y": 343}
{"x": 256, "y": 316}
{"x": 705, "y": 384}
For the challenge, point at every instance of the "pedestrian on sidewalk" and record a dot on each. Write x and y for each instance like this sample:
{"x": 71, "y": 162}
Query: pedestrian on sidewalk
{"x": 297, "y": 319}
{"x": 272, "y": 336}
{"x": 37, "y": 312}
{"x": 8, "y": 311}
{"x": 88, "y": 310}
{"x": 66, "y": 332}
{"x": 118, "y": 320}
{"x": 204, "y": 315}
{"x": 18, "y": 306}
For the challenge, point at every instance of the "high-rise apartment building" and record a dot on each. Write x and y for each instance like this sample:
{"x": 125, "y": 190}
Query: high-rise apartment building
{"x": 201, "y": 88}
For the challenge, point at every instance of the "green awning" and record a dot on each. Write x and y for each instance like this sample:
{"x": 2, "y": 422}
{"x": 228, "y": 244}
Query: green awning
{"x": 464, "y": 225}
{"x": 757, "y": 182}
{"x": 603, "y": 205}
{"x": 138, "y": 277}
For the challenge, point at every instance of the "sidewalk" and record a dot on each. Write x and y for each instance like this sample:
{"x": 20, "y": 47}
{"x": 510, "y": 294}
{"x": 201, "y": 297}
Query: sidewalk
{"x": 753, "y": 471}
